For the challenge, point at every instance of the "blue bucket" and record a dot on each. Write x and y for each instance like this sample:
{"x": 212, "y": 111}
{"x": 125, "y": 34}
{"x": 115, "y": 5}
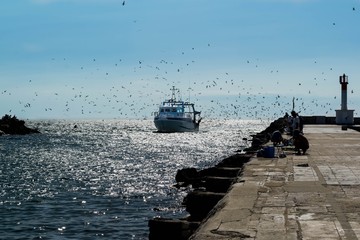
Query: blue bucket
{"x": 269, "y": 152}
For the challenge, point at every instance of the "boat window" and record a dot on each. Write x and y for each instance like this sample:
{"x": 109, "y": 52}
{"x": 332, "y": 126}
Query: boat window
{"x": 162, "y": 110}
{"x": 167, "y": 110}
{"x": 173, "y": 110}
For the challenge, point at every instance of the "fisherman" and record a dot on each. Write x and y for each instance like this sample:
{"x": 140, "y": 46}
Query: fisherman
{"x": 295, "y": 123}
{"x": 276, "y": 138}
{"x": 300, "y": 142}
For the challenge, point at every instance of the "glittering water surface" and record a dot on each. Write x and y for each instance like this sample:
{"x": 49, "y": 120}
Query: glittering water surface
{"x": 103, "y": 179}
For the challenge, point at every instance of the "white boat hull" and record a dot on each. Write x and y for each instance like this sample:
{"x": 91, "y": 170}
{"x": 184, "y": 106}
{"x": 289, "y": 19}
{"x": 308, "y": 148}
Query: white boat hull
{"x": 177, "y": 116}
{"x": 175, "y": 125}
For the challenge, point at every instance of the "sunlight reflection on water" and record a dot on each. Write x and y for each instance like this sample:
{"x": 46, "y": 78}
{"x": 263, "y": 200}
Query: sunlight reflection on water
{"x": 103, "y": 178}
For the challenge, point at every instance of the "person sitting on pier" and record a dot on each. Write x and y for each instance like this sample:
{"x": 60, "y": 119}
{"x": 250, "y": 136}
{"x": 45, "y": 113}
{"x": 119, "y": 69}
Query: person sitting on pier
{"x": 300, "y": 142}
{"x": 276, "y": 138}
{"x": 278, "y": 141}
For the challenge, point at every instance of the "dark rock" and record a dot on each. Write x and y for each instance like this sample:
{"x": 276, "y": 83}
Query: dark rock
{"x": 264, "y": 136}
{"x": 13, "y": 126}
{"x": 187, "y": 176}
{"x": 237, "y": 160}
{"x": 277, "y": 125}
{"x": 258, "y": 141}
{"x": 218, "y": 184}
{"x": 163, "y": 228}
{"x": 199, "y": 204}
{"x": 230, "y": 167}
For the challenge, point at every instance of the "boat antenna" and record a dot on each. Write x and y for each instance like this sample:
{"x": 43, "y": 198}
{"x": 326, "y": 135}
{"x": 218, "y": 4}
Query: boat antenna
{"x": 173, "y": 91}
{"x": 189, "y": 89}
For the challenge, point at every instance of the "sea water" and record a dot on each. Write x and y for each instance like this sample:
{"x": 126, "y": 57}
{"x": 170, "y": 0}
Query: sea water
{"x": 103, "y": 179}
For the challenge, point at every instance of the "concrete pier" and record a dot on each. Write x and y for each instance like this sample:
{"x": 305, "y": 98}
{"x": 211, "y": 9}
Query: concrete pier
{"x": 312, "y": 196}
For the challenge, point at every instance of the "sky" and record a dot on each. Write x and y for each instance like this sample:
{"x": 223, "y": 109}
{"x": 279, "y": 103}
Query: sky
{"x": 245, "y": 59}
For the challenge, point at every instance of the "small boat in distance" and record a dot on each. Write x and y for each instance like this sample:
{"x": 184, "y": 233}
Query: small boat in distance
{"x": 177, "y": 116}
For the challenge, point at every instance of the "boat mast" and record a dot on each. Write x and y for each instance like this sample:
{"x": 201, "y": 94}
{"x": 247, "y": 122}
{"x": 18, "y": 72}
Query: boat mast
{"x": 189, "y": 90}
{"x": 173, "y": 91}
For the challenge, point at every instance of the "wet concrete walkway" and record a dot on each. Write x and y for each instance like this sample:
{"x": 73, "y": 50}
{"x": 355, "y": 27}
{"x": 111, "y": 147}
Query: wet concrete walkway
{"x": 313, "y": 196}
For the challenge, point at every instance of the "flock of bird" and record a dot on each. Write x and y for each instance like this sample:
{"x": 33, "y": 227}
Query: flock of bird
{"x": 223, "y": 96}
{"x": 227, "y": 95}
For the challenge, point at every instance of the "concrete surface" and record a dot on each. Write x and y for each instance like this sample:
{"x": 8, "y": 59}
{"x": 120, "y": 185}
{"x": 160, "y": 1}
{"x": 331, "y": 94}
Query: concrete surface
{"x": 312, "y": 196}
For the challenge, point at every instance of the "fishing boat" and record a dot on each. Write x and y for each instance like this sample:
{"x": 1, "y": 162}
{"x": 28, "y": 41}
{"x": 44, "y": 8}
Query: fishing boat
{"x": 177, "y": 116}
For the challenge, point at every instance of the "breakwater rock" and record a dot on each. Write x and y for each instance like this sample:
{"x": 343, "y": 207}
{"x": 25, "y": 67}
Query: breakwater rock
{"x": 261, "y": 138}
{"x": 209, "y": 187}
{"x": 12, "y": 125}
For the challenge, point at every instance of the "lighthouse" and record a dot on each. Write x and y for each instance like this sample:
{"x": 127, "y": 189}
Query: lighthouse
{"x": 344, "y": 116}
